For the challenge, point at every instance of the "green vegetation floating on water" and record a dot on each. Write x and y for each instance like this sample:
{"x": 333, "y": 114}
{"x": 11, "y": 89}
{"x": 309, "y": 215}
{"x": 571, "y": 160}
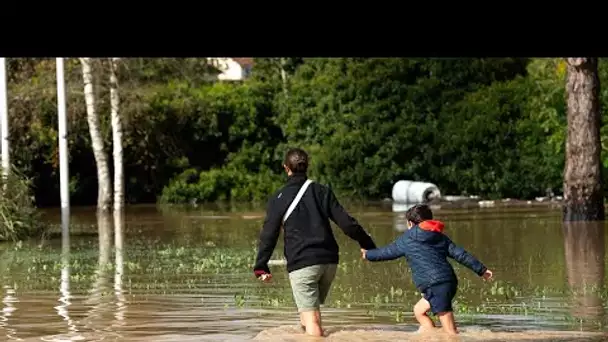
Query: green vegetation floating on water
{"x": 40, "y": 267}
{"x": 152, "y": 268}
{"x": 493, "y": 127}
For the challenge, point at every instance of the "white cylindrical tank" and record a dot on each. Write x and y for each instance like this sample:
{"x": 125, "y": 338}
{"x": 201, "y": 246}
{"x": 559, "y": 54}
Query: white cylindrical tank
{"x": 405, "y": 191}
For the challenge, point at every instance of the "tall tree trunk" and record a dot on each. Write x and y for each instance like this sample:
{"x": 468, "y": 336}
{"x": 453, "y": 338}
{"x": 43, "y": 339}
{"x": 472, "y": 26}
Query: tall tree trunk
{"x": 283, "y": 62}
{"x": 103, "y": 174}
{"x": 583, "y": 184}
{"x": 116, "y": 137}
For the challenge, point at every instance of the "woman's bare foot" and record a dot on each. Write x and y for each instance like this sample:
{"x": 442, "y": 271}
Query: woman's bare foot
{"x": 422, "y": 330}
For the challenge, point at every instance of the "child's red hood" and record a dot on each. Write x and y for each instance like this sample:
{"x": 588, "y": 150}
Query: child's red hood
{"x": 432, "y": 226}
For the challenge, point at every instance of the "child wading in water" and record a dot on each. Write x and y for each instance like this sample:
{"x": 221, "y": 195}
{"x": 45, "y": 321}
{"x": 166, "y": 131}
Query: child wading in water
{"x": 426, "y": 249}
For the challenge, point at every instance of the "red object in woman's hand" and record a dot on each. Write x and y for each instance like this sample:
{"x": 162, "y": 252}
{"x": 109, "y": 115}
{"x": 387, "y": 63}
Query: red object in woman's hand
{"x": 262, "y": 275}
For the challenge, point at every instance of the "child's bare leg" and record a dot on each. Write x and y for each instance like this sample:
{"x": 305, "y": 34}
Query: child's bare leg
{"x": 420, "y": 310}
{"x": 447, "y": 322}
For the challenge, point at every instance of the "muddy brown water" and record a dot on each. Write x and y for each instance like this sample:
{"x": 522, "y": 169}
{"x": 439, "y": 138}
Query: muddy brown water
{"x": 175, "y": 275}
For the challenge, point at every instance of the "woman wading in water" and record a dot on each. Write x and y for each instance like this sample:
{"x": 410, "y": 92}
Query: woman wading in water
{"x": 304, "y": 209}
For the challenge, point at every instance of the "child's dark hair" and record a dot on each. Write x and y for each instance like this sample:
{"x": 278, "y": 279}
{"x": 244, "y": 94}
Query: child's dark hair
{"x": 296, "y": 160}
{"x": 419, "y": 213}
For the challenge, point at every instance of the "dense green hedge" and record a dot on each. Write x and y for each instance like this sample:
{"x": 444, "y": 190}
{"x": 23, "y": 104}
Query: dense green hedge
{"x": 492, "y": 127}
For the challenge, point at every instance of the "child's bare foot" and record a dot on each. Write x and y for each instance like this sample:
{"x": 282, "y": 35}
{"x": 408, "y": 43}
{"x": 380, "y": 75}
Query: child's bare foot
{"x": 447, "y": 322}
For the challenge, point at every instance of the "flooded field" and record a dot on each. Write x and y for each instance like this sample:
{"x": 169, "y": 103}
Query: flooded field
{"x": 171, "y": 275}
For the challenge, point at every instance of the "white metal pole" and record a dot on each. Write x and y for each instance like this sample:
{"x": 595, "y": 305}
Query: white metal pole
{"x": 6, "y": 163}
{"x": 63, "y": 140}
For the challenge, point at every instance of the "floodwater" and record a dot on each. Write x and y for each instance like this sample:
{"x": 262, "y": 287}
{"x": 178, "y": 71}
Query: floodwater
{"x": 171, "y": 275}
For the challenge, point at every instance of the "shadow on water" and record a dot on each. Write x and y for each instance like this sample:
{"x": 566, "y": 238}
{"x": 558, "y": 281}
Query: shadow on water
{"x": 584, "y": 247}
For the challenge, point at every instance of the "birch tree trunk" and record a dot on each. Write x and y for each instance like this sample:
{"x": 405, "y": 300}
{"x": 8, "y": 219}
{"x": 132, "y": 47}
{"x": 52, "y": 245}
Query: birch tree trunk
{"x": 116, "y": 137}
{"x": 583, "y": 184}
{"x": 282, "y": 63}
{"x": 103, "y": 174}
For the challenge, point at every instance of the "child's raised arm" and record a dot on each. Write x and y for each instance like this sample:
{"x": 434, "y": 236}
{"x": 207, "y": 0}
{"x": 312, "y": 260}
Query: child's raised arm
{"x": 466, "y": 259}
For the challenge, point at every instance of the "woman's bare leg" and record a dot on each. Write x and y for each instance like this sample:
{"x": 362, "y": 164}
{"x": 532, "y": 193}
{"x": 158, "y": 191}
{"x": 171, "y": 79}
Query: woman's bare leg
{"x": 311, "y": 320}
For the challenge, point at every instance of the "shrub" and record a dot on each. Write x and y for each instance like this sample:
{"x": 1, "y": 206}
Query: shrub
{"x": 19, "y": 218}
{"x": 221, "y": 184}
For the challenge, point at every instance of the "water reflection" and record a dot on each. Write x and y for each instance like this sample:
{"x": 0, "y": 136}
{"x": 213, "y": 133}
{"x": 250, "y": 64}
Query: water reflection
{"x": 64, "y": 288}
{"x": 7, "y": 312}
{"x": 107, "y": 311}
{"x": 402, "y": 207}
{"x": 98, "y": 301}
{"x": 119, "y": 314}
{"x": 400, "y": 223}
{"x": 584, "y": 247}
{"x": 104, "y": 231}
{"x": 399, "y": 209}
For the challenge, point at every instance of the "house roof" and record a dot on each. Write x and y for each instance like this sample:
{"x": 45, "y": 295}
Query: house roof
{"x": 244, "y": 61}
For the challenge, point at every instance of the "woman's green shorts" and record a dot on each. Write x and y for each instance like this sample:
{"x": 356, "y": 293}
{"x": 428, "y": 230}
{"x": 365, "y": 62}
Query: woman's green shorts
{"x": 310, "y": 285}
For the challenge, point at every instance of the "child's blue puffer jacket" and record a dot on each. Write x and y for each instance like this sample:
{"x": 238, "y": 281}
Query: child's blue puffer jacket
{"x": 426, "y": 250}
